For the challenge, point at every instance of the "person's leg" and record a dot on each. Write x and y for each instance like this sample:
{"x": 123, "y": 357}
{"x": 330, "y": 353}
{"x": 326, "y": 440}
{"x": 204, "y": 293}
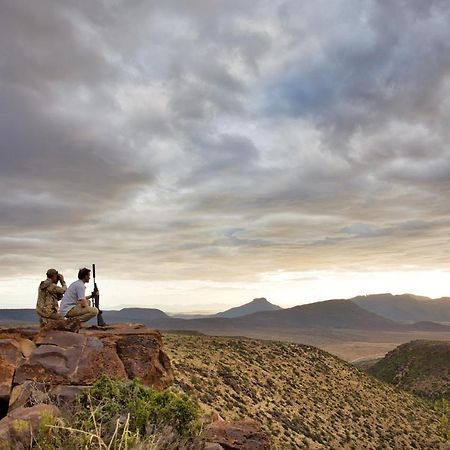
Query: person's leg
{"x": 83, "y": 314}
{"x": 47, "y": 315}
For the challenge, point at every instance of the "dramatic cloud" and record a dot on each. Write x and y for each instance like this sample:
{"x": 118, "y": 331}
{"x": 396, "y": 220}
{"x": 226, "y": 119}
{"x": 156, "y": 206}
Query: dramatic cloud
{"x": 223, "y": 140}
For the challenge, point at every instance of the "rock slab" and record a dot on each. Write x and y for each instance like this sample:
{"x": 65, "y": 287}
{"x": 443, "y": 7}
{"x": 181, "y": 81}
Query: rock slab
{"x": 240, "y": 435}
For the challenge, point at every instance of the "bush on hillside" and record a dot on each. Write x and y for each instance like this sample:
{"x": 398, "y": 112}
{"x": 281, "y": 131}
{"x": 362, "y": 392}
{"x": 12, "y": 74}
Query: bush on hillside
{"x": 116, "y": 414}
{"x": 442, "y": 407}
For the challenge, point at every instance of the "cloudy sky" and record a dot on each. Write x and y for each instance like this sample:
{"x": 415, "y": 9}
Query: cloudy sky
{"x": 206, "y": 152}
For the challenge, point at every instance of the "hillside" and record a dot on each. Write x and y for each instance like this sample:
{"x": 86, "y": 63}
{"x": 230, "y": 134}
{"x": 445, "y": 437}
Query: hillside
{"x": 304, "y": 397}
{"x": 256, "y": 305}
{"x": 422, "y": 367}
{"x": 406, "y": 307}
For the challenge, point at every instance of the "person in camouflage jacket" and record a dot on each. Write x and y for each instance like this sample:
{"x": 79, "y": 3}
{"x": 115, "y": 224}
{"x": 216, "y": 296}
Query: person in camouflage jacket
{"x": 49, "y": 293}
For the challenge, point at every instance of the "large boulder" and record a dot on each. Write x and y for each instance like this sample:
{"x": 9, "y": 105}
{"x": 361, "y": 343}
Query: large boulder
{"x": 70, "y": 359}
{"x": 143, "y": 358}
{"x": 241, "y": 435}
{"x": 64, "y": 358}
{"x": 18, "y": 428}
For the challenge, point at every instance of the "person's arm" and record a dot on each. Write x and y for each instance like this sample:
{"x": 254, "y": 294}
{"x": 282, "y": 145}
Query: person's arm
{"x": 53, "y": 288}
{"x": 81, "y": 294}
{"x": 63, "y": 288}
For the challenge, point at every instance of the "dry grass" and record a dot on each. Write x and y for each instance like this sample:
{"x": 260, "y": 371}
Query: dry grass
{"x": 303, "y": 396}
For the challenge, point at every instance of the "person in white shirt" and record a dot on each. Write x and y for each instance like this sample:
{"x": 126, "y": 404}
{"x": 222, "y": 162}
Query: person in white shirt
{"x": 75, "y": 303}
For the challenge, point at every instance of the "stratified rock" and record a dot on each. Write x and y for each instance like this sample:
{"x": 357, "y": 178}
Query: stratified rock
{"x": 241, "y": 435}
{"x": 18, "y": 427}
{"x": 10, "y": 357}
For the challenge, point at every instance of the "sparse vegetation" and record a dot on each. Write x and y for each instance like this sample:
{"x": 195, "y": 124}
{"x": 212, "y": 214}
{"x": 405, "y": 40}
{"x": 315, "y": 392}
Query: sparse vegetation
{"x": 305, "y": 398}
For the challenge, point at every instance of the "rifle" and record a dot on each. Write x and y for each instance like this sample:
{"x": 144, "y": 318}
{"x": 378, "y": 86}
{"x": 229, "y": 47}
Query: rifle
{"x": 96, "y": 301}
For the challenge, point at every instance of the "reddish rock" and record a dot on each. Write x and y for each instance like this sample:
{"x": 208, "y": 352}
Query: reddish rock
{"x": 98, "y": 358}
{"x": 242, "y": 435}
{"x": 60, "y": 338}
{"x": 69, "y": 359}
{"x": 10, "y": 357}
{"x": 18, "y": 427}
{"x": 64, "y": 358}
{"x": 144, "y": 358}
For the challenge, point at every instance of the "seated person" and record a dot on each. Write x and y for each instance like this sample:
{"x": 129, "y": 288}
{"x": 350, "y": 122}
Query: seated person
{"x": 75, "y": 304}
{"x": 48, "y": 295}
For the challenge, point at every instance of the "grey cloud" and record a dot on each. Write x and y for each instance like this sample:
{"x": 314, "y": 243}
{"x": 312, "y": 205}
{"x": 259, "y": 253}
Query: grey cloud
{"x": 394, "y": 64}
{"x": 178, "y": 137}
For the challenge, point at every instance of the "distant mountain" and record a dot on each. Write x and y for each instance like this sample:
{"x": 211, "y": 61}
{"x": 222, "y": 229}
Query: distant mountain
{"x": 140, "y": 315}
{"x": 256, "y": 305}
{"x": 18, "y": 315}
{"x": 406, "y": 307}
{"x": 326, "y": 314}
{"x": 320, "y": 315}
{"x": 330, "y": 314}
{"x": 421, "y": 366}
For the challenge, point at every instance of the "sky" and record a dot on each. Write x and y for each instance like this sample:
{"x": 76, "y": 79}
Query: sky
{"x": 206, "y": 152}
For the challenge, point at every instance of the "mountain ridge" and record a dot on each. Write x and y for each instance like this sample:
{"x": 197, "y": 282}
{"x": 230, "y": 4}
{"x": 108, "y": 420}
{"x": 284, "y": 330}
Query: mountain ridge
{"x": 406, "y": 307}
{"x": 256, "y": 305}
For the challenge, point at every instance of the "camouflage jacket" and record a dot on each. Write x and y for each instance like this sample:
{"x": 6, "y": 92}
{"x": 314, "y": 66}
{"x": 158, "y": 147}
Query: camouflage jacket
{"x": 48, "y": 295}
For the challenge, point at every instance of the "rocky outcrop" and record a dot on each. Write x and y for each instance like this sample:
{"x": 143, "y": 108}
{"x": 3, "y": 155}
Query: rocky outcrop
{"x": 60, "y": 364}
{"x": 70, "y": 359}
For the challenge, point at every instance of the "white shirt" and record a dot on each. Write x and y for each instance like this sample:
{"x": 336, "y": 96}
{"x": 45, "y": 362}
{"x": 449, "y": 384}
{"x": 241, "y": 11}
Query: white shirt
{"x": 76, "y": 291}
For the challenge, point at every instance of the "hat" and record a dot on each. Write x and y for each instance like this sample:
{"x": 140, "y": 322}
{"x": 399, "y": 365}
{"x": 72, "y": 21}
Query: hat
{"x": 51, "y": 272}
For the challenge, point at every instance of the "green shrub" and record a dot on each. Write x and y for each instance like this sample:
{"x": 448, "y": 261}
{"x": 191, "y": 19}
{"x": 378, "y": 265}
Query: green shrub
{"x": 116, "y": 414}
{"x": 442, "y": 407}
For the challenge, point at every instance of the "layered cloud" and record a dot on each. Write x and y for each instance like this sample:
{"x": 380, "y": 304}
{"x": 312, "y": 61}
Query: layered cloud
{"x": 224, "y": 140}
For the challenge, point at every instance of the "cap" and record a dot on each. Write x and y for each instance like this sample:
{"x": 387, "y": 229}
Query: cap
{"x": 51, "y": 272}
